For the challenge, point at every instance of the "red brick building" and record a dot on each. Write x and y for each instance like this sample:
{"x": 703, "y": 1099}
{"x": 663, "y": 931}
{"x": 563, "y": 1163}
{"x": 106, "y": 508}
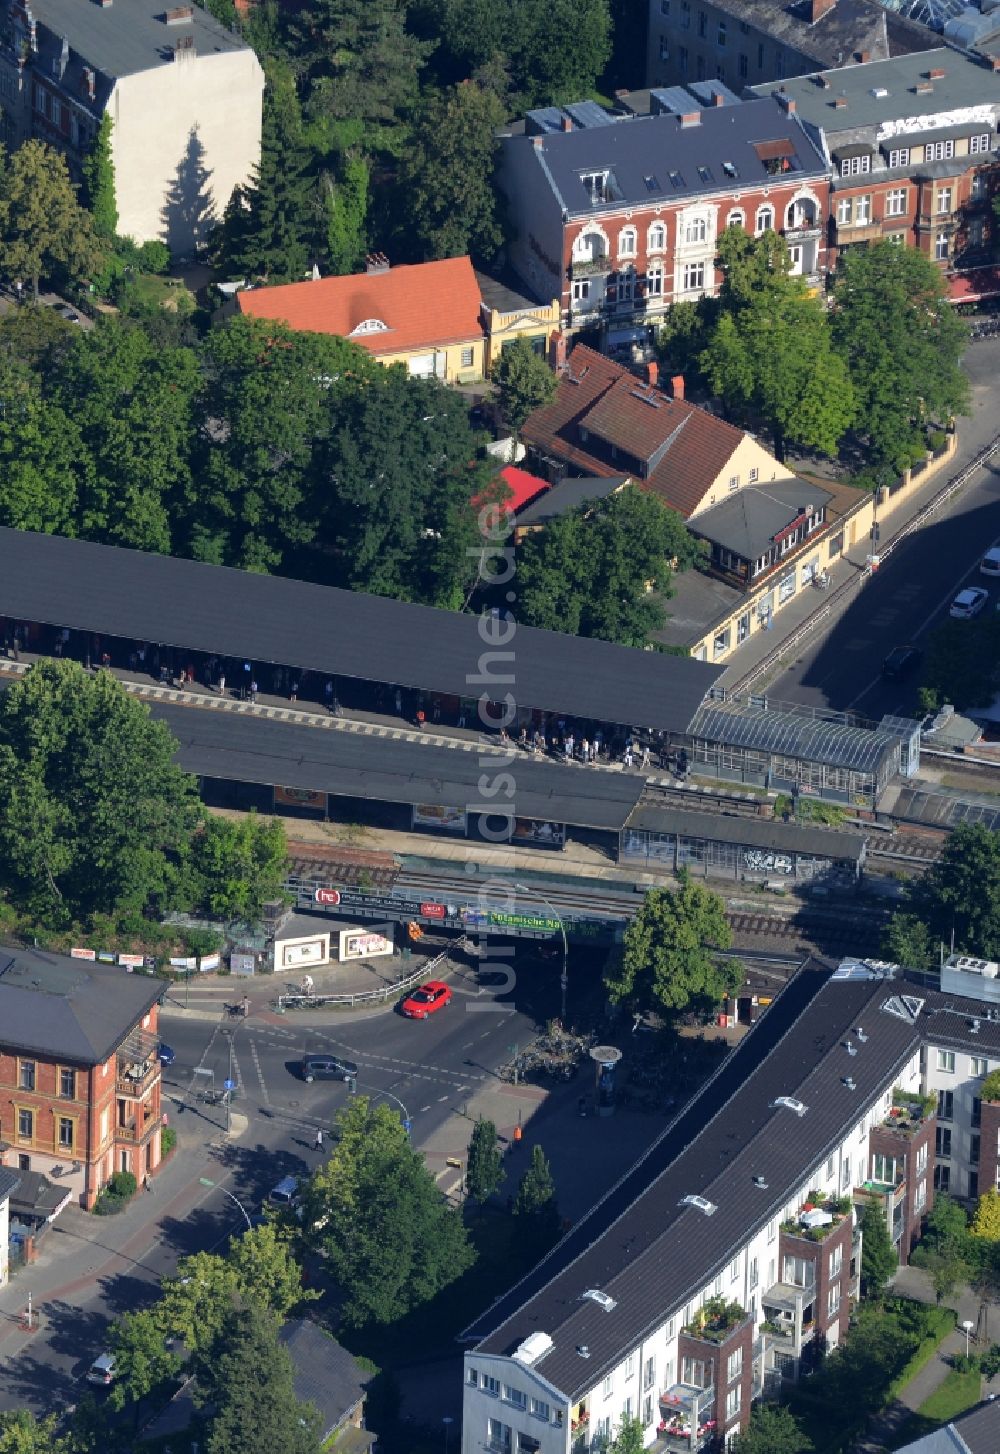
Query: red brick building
{"x": 79, "y": 1071}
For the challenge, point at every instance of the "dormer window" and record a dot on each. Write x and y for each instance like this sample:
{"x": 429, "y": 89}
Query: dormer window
{"x": 600, "y": 186}
{"x": 370, "y": 325}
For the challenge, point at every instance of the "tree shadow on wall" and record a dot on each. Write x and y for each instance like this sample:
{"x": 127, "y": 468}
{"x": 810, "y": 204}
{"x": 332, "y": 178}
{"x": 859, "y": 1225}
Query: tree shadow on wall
{"x": 189, "y": 213}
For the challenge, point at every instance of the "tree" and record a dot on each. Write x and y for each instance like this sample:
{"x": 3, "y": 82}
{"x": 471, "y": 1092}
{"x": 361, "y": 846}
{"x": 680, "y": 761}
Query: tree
{"x": 773, "y": 1429}
{"x": 878, "y": 1256}
{"x": 448, "y": 182}
{"x": 960, "y": 895}
{"x": 906, "y": 941}
{"x": 22, "y": 1433}
{"x": 390, "y": 1240}
{"x": 535, "y": 1201}
{"x": 523, "y": 381}
{"x": 771, "y": 353}
{"x": 95, "y": 816}
{"x": 902, "y": 341}
{"x": 986, "y": 1222}
{"x": 629, "y": 1438}
{"x": 962, "y": 667}
{"x": 250, "y": 1389}
{"x": 40, "y": 456}
{"x": 99, "y": 181}
{"x": 484, "y": 1172}
{"x": 555, "y": 49}
{"x": 589, "y": 572}
{"x": 346, "y": 215}
{"x": 240, "y": 864}
{"x": 143, "y": 1358}
{"x": 669, "y": 958}
{"x": 43, "y": 228}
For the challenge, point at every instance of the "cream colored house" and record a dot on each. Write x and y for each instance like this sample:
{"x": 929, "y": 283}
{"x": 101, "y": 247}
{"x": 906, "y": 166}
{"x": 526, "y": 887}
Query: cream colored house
{"x": 508, "y": 314}
{"x": 184, "y": 94}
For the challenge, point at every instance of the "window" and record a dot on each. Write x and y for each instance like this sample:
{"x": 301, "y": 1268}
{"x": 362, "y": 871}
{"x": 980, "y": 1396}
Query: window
{"x": 647, "y": 1411}
{"x": 656, "y": 240}
{"x": 939, "y": 151}
{"x": 736, "y": 218}
{"x": 602, "y": 1431}
{"x": 498, "y": 1435}
{"x": 682, "y": 59}
{"x": 581, "y": 290}
{"x": 734, "y": 1365}
{"x": 900, "y": 157}
{"x": 491, "y": 1385}
{"x": 946, "y": 1105}
{"x": 626, "y": 287}
{"x": 694, "y": 276}
{"x": 977, "y": 1113}
{"x": 628, "y": 242}
{"x": 734, "y": 1402}
{"x": 743, "y": 628}
{"x": 734, "y": 1270}
{"x": 744, "y": 67}
{"x": 779, "y": 64}
{"x": 540, "y": 1408}
{"x": 946, "y": 1061}
{"x": 753, "y": 475}
{"x": 473, "y": 1378}
{"x": 862, "y": 211}
{"x": 836, "y": 1262}
{"x": 798, "y": 1272}
{"x": 734, "y": 483}
{"x": 630, "y": 1366}
{"x": 845, "y": 211}
{"x": 942, "y": 201}
{"x": 833, "y": 1301}
{"x": 702, "y": 24}
{"x": 845, "y": 1175}
{"x": 943, "y": 1141}
{"x": 596, "y": 184}
{"x": 855, "y": 166}
{"x": 979, "y": 143}
{"x": 980, "y": 188}
{"x": 895, "y": 202}
{"x": 515, "y": 1396}
{"x": 26, "y": 1075}
{"x": 720, "y": 35}
{"x": 752, "y": 1273}
{"x": 606, "y": 1388}
{"x": 468, "y": 357}
{"x": 685, "y": 15}
{"x": 25, "y": 1125}
{"x": 670, "y": 1330}
{"x": 627, "y": 1408}
{"x": 696, "y": 230}
{"x": 721, "y": 643}
{"x": 664, "y": 7}
{"x": 649, "y": 1373}
{"x": 654, "y": 281}
{"x": 66, "y": 1132}
{"x": 974, "y": 1149}
{"x": 941, "y": 247}
{"x": 765, "y": 220}
{"x": 772, "y": 1231}
{"x": 922, "y": 1158}
{"x": 67, "y": 1084}
{"x": 942, "y": 1178}
{"x": 664, "y": 48}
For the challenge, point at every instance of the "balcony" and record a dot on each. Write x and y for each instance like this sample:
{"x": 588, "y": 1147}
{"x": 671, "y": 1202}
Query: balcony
{"x": 714, "y": 1322}
{"x": 133, "y": 1080}
{"x": 818, "y": 1217}
{"x": 590, "y": 267}
{"x": 686, "y": 1420}
{"x": 909, "y": 1113}
{"x": 788, "y": 1317}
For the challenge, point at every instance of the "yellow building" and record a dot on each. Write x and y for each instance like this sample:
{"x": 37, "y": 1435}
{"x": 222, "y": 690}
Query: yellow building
{"x": 507, "y": 315}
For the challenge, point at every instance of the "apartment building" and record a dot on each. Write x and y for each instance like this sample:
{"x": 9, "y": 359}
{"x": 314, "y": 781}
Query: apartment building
{"x": 912, "y": 143}
{"x": 618, "y": 215}
{"x": 79, "y": 1071}
{"x": 184, "y": 94}
{"x": 729, "y": 1254}
{"x": 741, "y": 42}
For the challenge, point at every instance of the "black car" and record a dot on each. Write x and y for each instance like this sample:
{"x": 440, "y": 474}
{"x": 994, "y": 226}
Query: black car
{"x": 327, "y": 1067}
{"x": 900, "y": 662}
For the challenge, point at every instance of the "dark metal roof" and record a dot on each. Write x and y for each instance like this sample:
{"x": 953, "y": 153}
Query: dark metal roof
{"x": 651, "y": 1254}
{"x": 748, "y": 521}
{"x": 241, "y": 748}
{"x": 979, "y": 1429}
{"x": 325, "y": 1374}
{"x": 569, "y": 494}
{"x": 185, "y": 604}
{"x": 122, "y": 40}
{"x": 69, "y": 1009}
{"x": 9, "y": 1182}
{"x": 738, "y": 724}
{"x": 810, "y": 840}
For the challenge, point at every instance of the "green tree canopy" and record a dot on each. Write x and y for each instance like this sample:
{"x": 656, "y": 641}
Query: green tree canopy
{"x": 770, "y": 355}
{"x": 629, "y": 1438}
{"x": 240, "y": 864}
{"x": 95, "y": 817}
{"x": 669, "y": 957}
{"x": 554, "y": 50}
{"x": 535, "y": 1203}
{"x": 43, "y": 228}
{"x": 99, "y": 180}
{"x": 960, "y": 894}
{"x": 588, "y": 573}
{"x": 524, "y": 382}
{"x": 40, "y": 456}
{"x": 878, "y": 1255}
{"x": 390, "y": 1239}
{"x": 448, "y": 183}
{"x": 962, "y": 666}
{"x": 902, "y": 341}
{"x": 347, "y": 214}
{"x": 986, "y": 1221}
{"x": 773, "y": 1429}
{"x": 484, "y": 1172}
{"x": 22, "y": 1433}
{"x": 906, "y": 941}
{"x": 249, "y": 1389}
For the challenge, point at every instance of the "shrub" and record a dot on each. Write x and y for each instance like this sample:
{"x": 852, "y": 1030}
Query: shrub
{"x": 168, "y": 1140}
{"x": 122, "y": 1185}
{"x": 991, "y": 1087}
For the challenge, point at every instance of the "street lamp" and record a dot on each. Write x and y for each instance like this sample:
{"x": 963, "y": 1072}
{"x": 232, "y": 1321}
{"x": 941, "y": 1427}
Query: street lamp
{"x": 967, "y": 1328}
{"x": 407, "y": 1123}
{"x": 447, "y": 1420}
{"x": 564, "y": 976}
{"x": 205, "y": 1181}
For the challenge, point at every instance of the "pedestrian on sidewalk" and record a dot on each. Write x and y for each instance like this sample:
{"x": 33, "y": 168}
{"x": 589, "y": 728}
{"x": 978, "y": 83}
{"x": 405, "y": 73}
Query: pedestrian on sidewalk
{"x": 222, "y": 684}
{"x": 293, "y": 692}
{"x": 319, "y": 1140}
{"x": 585, "y": 750}
{"x": 645, "y": 757}
{"x": 253, "y": 692}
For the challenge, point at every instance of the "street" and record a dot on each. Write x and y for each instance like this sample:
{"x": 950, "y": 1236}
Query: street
{"x": 911, "y": 593}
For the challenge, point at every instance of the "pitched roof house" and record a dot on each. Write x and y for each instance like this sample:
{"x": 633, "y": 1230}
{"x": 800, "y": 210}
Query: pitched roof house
{"x": 605, "y": 421}
{"x": 327, "y": 1376}
{"x": 425, "y": 316}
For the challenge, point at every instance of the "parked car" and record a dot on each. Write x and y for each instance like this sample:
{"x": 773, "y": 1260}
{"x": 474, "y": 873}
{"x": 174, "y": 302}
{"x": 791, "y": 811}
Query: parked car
{"x": 990, "y": 563}
{"x": 430, "y": 997}
{"x": 286, "y": 1193}
{"x": 968, "y": 603}
{"x": 167, "y": 1055}
{"x": 900, "y": 662}
{"x": 327, "y": 1067}
{"x": 102, "y": 1371}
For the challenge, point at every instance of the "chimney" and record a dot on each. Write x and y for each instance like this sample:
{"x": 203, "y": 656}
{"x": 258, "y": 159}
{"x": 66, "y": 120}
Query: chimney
{"x": 840, "y": 103}
{"x": 819, "y": 8}
{"x": 923, "y": 88}
{"x": 864, "y": 56}
{"x": 690, "y": 118}
{"x": 718, "y": 99}
{"x": 180, "y": 15}
{"x": 652, "y": 374}
{"x": 376, "y": 262}
{"x": 567, "y": 123}
{"x": 557, "y": 351}
{"x": 937, "y": 74}
{"x": 184, "y": 48}
{"x": 786, "y": 103}
{"x": 677, "y": 386}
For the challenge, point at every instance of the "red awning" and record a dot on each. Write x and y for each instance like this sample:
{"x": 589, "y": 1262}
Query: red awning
{"x": 524, "y": 488}
{"x": 974, "y": 285}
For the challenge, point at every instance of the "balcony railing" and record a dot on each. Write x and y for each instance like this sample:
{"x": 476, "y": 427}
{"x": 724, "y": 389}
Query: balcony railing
{"x": 589, "y": 267}
{"x": 136, "y": 1078}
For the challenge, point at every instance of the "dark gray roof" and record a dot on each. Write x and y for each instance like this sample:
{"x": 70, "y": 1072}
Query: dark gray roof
{"x": 697, "y": 601}
{"x": 738, "y": 724}
{"x": 645, "y": 152}
{"x": 652, "y": 1254}
{"x": 130, "y": 36}
{"x": 747, "y": 521}
{"x": 249, "y": 749}
{"x": 36, "y": 1198}
{"x": 182, "y": 603}
{"x": 753, "y": 832}
{"x": 325, "y": 1373}
{"x": 569, "y": 494}
{"x": 69, "y": 1009}
{"x": 9, "y": 1182}
{"x": 977, "y": 1432}
{"x": 848, "y": 27}
{"x": 966, "y": 82}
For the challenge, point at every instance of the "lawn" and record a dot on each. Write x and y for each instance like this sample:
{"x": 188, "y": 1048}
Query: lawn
{"x": 958, "y": 1393}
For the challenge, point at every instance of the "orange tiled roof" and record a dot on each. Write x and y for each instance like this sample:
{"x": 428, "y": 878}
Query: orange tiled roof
{"x": 423, "y": 305}
{"x": 685, "y": 447}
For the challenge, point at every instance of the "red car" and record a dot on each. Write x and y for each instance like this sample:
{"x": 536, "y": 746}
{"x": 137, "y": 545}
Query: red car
{"x": 433, "y": 995}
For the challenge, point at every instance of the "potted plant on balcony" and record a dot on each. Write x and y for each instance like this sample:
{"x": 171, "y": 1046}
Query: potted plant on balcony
{"x": 716, "y": 1319}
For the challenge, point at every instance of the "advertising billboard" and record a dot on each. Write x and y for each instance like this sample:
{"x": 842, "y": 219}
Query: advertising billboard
{"x": 300, "y": 798}
{"x": 358, "y": 943}
{"x": 440, "y": 816}
{"x": 301, "y": 953}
